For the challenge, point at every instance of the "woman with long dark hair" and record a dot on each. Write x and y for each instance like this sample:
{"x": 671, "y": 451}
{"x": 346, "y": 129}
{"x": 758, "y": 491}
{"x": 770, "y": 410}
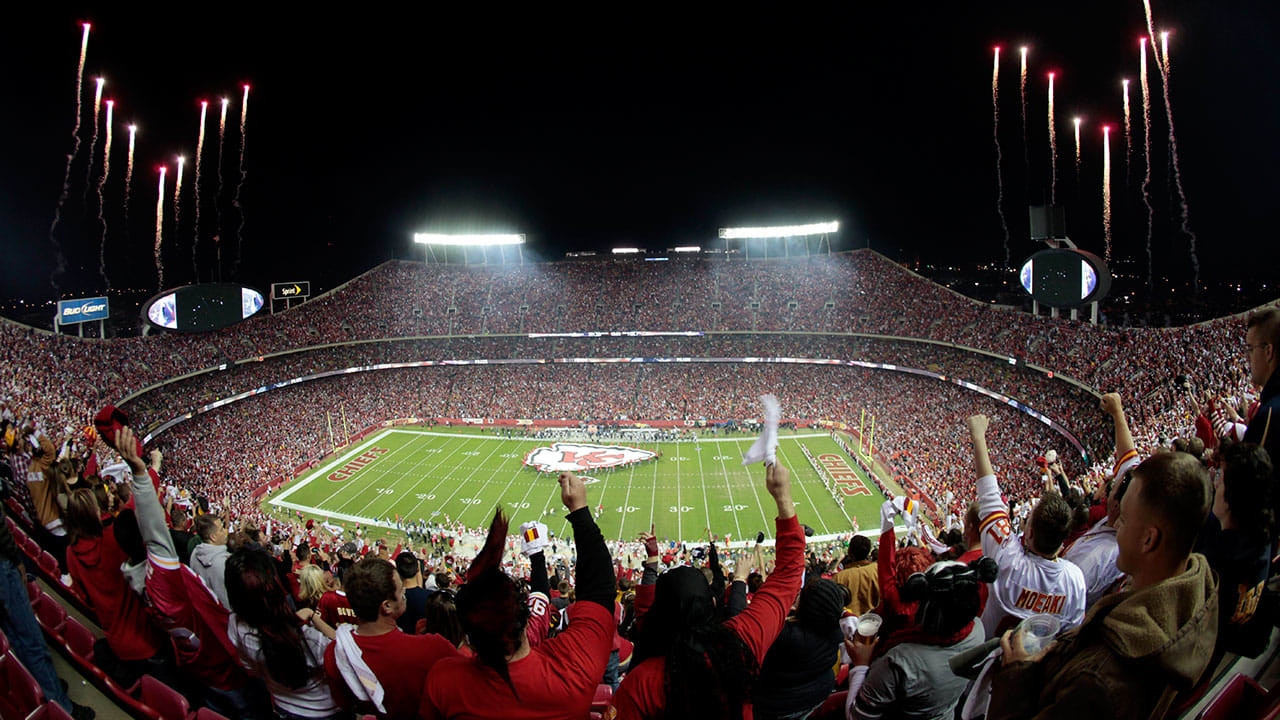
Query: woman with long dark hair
{"x": 689, "y": 664}
{"x": 283, "y": 647}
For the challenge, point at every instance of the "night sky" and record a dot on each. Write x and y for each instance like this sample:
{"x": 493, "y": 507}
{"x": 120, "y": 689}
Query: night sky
{"x": 592, "y": 129}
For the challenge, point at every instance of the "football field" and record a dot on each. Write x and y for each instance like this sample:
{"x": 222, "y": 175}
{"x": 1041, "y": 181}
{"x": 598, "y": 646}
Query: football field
{"x": 683, "y": 489}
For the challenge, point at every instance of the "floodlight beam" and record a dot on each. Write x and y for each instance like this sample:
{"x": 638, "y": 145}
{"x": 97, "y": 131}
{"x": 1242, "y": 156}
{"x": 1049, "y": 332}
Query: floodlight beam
{"x": 488, "y": 240}
{"x": 779, "y": 231}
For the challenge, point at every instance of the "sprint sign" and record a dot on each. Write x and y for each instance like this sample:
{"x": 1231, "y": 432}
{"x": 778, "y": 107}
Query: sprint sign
{"x": 577, "y": 457}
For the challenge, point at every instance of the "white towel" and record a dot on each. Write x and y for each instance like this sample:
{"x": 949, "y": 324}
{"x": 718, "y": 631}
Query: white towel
{"x": 360, "y": 679}
{"x": 766, "y": 446}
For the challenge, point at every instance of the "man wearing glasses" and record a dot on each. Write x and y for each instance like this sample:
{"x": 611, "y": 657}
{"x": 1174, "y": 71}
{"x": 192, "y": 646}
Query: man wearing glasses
{"x": 1262, "y": 345}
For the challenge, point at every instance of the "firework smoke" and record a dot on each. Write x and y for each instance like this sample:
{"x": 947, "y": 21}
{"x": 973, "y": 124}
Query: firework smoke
{"x": 1128, "y": 134}
{"x": 1146, "y": 155}
{"x": 1022, "y": 92}
{"x": 1106, "y": 188}
{"x": 102, "y": 181}
{"x": 235, "y": 202}
{"x": 128, "y": 174}
{"x": 217, "y": 201}
{"x": 1076, "y": 122}
{"x": 1177, "y": 171}
{"x": 1053, "y": 149}
{"x": 995, "y": 134}
{"x": 60, "y": 261}
{"x": 93, "y": 139}
{"x": 177, "y": 198}
{"x": 195, "y": 244}
{"x": 160, "y": 230}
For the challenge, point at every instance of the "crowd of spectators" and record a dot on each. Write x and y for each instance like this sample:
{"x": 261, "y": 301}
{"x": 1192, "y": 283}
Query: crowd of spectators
{"x": 1178, "y": 545}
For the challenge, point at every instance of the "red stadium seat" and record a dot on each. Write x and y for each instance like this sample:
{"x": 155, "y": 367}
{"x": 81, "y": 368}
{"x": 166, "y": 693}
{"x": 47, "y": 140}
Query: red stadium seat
{"x": 50, "y": 614}
{"x": 207, "y": 714}
{"x": 49, "y": 564}
{"x": 78, "y": 639}
{"x": 4, "y": 643}
{"x": 33, "y": 591}
{"x": 166, "y": 701}
{"x": 31, "y": 547}
{"x": 603, "y": 697}
{"x": 19, "y": 694}
{"x": 1241, "y": 697}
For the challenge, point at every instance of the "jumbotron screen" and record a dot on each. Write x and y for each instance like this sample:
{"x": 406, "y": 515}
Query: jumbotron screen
{"x": 1065, "y": 278}
{"x": 201, "y": 308}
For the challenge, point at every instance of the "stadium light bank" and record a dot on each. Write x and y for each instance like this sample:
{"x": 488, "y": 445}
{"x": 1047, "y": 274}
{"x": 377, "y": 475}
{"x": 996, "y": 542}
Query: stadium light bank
{"x": 779, "y": 231}
{"x": 468, "y": 240}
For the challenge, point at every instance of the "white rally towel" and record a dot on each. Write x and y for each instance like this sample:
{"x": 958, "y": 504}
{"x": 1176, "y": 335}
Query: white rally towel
{"x": 360, "y": 679}
{"x": 766, "y": 446}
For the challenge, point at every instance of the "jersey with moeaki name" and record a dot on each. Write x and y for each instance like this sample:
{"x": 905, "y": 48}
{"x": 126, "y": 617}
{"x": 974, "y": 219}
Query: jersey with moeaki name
{"x": 1026, "y": 584}
{"x": 1095, "y": 552}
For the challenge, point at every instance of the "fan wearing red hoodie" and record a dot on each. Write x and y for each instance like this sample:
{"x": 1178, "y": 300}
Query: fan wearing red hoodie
{"x": 681, "y": 644}
{"x": 93, "y": 560}
{"x": 186, "y": 608}
{"x": 508, "y": 678}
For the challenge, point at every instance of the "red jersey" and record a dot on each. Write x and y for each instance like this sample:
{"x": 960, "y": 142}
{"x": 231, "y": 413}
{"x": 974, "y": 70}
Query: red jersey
{"x": 400, "y": 662}
{"x": 641, "y": 694}
{"x": 539, "y": 625}
{"x": 557, "y": 679}
{"x": 334, "y": 608}
{"x": 196, "y": 622}
{"x": 94, "y": 564}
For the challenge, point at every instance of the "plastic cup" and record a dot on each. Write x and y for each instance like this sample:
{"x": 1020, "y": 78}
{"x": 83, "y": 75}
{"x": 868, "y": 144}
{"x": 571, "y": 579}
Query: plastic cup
{"x": 1038, "y": 631}
{"x": 869, "y": 627}
{"x": 849, "y": 626}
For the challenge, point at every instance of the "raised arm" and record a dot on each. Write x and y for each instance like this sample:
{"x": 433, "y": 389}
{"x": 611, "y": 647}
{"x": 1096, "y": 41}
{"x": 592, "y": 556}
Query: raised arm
{"x": 1111, "y": 405}
{"x": 595, "y": 578}
{"x": 993, "y": 512}
{"x": 760, "y": 623}
{"x": 147, "y": 509}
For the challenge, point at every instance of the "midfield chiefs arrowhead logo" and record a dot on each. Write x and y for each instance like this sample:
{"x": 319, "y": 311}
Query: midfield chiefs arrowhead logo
{"x": 577, "y": 457}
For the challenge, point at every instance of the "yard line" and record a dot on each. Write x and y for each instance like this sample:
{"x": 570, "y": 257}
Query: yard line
{"x": 424, "y": 476}
{"x": 825, "y": 530}
{"x": 393, "y": 477}
{"x": 485, "y": 485}
{"x": 352, "y": 484}
{"x": 458, "y": 486}
{"x": 756, "y": 493}
{"x": 679, "y": 502}
{"x": 653, "y": 493}
{"x": 728, "y": 486}
{"x": 622, "y": 522}
{"x": 706, "y": 504}
{"x": 296, "y": 485}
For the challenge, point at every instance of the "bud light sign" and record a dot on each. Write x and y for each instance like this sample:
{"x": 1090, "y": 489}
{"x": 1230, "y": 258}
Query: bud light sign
{"x": 71, "y": 312}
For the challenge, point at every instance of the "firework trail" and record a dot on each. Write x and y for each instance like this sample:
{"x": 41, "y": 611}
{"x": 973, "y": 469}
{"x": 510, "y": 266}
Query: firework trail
{"x": 1076, "y": 122}
{"x": 1128, "y": 134}
{"x": 235, "y": 202}
{"x": 1022, "y": 91}
{"x": 160, "y": 229}
{"x": 217, "y": 201}
{"x": 195, "y": 244}
{"x": 102, "y": 181}
{"x": 60, "y": 261}
{"x": 1146, "y": 155}
{"x": 1177, "y": 171}
{"x": 1106, "y": 188}
{"x": 1166, "y": 64}
{"x": 995, "y": 134}
{"x": 93, "y": 139}
{"x": 177, "y": 198}
{"x": 1053, "y": 148}
{"x": 128, "y": 174}
{"x": 1151, "y": 31}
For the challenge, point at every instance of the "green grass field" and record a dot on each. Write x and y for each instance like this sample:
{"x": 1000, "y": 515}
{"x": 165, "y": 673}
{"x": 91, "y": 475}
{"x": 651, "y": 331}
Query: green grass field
{"x": 464, "y": 474}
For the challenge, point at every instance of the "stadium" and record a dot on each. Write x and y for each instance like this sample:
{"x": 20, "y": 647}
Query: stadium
{"x": 770, "y": 470}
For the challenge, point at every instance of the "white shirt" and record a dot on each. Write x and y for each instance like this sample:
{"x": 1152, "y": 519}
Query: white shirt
{"x": 1095, "y": 554}
{"x": 312, "y": 699}
{"x": 1026, "y": 584}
